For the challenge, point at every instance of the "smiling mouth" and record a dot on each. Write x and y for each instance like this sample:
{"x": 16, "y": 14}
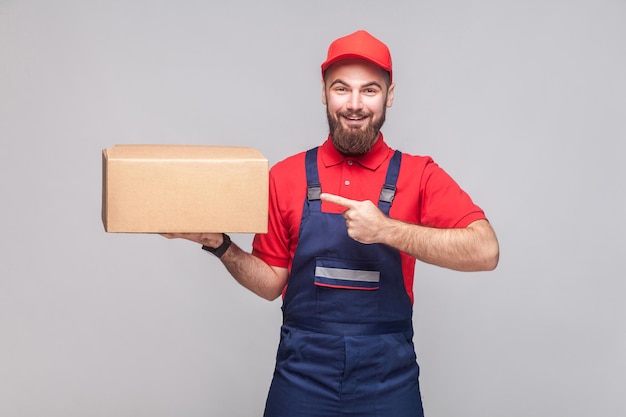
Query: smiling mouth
{"x": 354, "y": 119}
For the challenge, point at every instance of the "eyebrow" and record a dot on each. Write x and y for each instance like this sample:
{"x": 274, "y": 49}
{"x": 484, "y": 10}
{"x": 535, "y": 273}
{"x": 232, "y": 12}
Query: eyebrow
{"x": 370, "y": 84}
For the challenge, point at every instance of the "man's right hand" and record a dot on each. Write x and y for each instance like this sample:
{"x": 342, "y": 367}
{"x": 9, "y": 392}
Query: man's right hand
{"x": 212, "y": 240}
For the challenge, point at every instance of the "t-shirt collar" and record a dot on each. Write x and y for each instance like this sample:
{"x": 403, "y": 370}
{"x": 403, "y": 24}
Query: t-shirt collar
{"x": 371, "y": 160}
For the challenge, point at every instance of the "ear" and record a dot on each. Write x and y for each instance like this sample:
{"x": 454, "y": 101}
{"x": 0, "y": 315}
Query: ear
{"x": 390, "y": 95}
{"x": 323, "y": 92}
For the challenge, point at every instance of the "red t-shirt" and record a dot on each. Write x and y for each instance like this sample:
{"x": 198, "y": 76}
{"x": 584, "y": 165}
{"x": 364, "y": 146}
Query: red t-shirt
{"x": 425, "y": 195}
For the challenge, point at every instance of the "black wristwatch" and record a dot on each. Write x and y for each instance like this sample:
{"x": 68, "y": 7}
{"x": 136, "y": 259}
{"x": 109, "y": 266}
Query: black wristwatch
{"x": 221, "y": 249}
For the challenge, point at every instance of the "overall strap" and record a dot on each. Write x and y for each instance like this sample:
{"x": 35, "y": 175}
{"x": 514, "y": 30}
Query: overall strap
{"x": 389, "y": 188}
{"x": 314, "y": 188}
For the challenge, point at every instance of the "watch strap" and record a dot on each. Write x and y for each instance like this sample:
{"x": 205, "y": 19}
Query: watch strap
{"x": 221, "y": 249}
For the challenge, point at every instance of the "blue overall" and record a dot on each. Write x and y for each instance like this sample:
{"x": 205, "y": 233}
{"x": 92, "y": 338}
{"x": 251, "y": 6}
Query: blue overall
{"x": 346, "y": 344}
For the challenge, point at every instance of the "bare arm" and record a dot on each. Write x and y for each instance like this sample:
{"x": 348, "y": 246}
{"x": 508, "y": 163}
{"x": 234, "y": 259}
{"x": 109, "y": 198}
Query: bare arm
{"x": 474, "y": 248}
{"x": 253, "y": 273}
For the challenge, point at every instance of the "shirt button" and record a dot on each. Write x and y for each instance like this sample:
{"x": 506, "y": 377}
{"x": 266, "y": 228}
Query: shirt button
{"x": 350, "y": 162}
{"x": 346, "y": 182}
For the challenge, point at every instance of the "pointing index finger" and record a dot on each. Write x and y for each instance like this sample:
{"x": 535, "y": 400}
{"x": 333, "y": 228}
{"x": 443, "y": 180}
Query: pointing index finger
{"x": 335, "y": 199}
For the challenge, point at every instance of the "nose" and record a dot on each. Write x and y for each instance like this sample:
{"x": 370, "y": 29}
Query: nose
{"x": 354, "y": 101}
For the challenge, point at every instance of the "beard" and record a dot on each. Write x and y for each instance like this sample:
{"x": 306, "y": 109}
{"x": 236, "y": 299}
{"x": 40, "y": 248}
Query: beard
{"x": 354, "y": 141}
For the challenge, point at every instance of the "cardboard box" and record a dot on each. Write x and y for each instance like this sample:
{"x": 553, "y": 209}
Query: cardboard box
{"x": 184, "y": 188}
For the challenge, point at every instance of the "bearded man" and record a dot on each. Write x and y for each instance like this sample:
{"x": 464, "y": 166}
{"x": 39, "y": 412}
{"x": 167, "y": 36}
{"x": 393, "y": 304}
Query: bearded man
{"x": 347, "y": 222}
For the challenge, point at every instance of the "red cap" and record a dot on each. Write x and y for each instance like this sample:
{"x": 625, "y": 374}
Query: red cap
{"x": 359, "y": 44}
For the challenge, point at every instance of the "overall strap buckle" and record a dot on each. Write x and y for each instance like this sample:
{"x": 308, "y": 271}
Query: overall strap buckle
{"x": 313, "y": 191}
{"x": 314, "y": 188}
{"x": 388, "y": 191}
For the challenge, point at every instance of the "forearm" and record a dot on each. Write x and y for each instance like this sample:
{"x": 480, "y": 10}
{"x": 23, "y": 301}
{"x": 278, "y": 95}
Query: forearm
{"x": 474, "y": 248}
{"x": 254, "y": 274}
{"x": 248, "y": 270}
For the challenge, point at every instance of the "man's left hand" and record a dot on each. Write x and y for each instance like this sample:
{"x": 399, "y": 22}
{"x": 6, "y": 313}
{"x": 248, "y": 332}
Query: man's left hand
{"x": 364, "y": 220}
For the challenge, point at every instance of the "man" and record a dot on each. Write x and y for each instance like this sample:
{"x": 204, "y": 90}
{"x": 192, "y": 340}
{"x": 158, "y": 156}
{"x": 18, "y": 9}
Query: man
{"x": 347, "y": 221}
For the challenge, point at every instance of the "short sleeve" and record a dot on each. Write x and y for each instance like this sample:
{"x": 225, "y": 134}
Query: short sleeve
{"x": 443, "y": 203}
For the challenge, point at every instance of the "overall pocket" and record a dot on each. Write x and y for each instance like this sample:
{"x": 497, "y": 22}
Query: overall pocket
{"x": 347, "y": 290}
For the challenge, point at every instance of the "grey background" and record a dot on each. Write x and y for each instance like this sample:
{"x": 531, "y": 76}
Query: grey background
{"x": 522, "y": 102}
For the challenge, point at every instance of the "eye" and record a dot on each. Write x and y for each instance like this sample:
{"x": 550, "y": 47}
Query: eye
{"x": 370, "y": 91}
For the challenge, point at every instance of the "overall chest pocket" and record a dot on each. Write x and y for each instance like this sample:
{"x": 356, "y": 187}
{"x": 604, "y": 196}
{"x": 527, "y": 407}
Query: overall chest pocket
{"x": 347, "y": 290}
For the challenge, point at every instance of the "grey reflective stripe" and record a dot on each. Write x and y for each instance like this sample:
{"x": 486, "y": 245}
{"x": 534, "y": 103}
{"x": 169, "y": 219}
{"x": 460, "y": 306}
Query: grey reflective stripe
{"x": 347, "y": 274}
